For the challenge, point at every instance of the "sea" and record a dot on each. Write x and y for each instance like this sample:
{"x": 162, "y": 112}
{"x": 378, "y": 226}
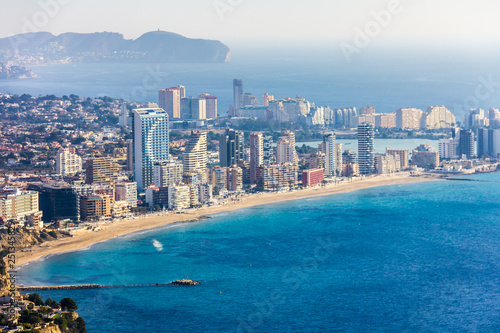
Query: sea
{"x": 419, "y": 257}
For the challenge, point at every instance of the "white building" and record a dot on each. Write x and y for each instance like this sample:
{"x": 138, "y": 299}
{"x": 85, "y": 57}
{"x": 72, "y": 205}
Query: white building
{"x": 448, "y": 148}
{"x": 67, "y": 162}
{"x": 179, "y": 197}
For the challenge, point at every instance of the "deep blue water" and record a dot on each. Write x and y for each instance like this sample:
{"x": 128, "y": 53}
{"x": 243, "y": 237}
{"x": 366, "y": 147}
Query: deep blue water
{"x": 421, "y": 257}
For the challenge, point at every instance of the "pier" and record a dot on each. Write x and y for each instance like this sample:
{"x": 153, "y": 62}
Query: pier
{"x": 98, "y": 286}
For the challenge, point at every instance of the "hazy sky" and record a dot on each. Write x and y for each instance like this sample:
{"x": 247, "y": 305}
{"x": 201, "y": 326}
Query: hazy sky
{"x": 233, "y": 21}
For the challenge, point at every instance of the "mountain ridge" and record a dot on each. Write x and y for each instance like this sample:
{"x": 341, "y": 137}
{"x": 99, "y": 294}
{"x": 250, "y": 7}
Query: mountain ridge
{"x": 154, "y": 46}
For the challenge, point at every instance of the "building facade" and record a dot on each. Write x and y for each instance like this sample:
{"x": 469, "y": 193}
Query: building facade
{"x": 366, "y": 150}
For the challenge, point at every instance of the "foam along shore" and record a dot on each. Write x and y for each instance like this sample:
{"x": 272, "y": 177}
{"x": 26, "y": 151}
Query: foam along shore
{"x": 84, "y": 239}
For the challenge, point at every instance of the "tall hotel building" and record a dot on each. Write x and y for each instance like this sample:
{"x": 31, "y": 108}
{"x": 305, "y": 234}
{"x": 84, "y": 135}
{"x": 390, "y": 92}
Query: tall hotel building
{"x": 256, "y": 154}
{"x": 366, "y": 151}
{"x": 195, "y": 156}
{"x": 237, "y": 93}
{"x": 151, "y": 143}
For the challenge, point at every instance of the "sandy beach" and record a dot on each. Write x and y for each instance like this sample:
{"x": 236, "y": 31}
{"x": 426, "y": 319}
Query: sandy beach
{"x": 86, "y": 238}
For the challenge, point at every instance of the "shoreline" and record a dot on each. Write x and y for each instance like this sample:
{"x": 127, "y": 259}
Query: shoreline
{"x": 85, "y": 239}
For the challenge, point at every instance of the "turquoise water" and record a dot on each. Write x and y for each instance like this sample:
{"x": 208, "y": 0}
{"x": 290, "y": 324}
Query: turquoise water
{"x": 422, "y": 257}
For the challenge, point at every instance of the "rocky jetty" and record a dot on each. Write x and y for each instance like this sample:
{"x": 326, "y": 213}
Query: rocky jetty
{"x": 185, "y": 282}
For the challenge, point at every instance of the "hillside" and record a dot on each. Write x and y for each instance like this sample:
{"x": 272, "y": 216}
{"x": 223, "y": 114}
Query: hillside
{"x": 156, "y": 46}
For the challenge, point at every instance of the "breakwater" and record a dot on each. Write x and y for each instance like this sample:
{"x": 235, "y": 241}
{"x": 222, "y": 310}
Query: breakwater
{"x": 98, "y": 286}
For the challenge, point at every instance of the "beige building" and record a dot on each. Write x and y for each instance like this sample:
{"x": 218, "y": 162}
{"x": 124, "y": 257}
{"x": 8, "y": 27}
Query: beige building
{"x": 386, "y": 164}
{"x": 101, "y": 170}
{"x": 126, "y": 191}
{"x": 256, "y": 154}
{"x": 274, "y": 177}
{"x": 168, "y": 173}
{"x": 438, "y": 117}
{"x": 409, "y": 118}
{"x": 19, "y": 205}
{"x": 402, "y": 154}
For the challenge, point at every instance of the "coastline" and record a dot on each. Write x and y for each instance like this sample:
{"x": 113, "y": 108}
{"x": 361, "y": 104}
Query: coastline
{"x": 85, "y": 239}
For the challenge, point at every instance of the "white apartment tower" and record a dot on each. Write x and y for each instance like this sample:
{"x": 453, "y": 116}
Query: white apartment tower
{"x": 195, "y": 156}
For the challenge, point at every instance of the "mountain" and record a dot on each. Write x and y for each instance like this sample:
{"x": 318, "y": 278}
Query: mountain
{"x": 156, "y": 46}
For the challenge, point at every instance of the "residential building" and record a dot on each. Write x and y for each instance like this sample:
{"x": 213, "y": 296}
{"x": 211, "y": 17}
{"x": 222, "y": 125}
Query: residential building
{"x": 438, "y": 117}
{"x": 67, "y": 162}
{"x": 256, "y": 154}
{"x": 488, "y": 142}
{"x": 367, "y": 110}
{"x": 151, "y": 143}
{"x": 409, "y": 118}
{"x": 387, "y": 163}
{"x": 448, "y": 148}
{"x": 195, "y": 155}
{"x": 168, "y": 173}
{"x": 312, "y": 177}
{"x": 101, "y": 170}
{"x": 95, "y": 206}
{"x": 237, "y": 93}
{"x": 285, "y": 149}
{"x": 170, "y": 101}
{"x": 366, "y": 150}
{"x": 328, "y": 148}
{"x": 179, "y": 197}
{"x": 211, "y": 103}
{"x": 234, "y": 179}
{"x": 402, "y": 155}
{"x": 123, "y": 116}
{"x": 18, "y": 205}
{"x": 193, "y": 108}
{"x": 424, "y": 156}
{"x": 466, "y": 144}
{"x": 231, "y": 147}
{"x": 275, "y": 177}
{"x": 126, "y": 191}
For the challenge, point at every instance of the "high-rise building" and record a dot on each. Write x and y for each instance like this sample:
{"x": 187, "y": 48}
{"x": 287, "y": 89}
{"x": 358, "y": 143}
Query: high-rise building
{"x": 366, "y": 150}
{"x": 476, "y": 118}
{"x": 408, "y": 119}
{"x": 195, "y": 155}
{"x": 170, "y": 101}
{"x": 274, "y": 177}
{"x": 350, "y": 166}
{"x": 328, "y": 148}
{"x": 448, "y": 148}
{"x": 101, "y": 170}
{"x": 67, "y": 162}
{"x": 151, "y": 143}
{"x": 256, "y": 154}
{"x": 488, "y": 142}
{"x": 387, "y": 163}
{"x": 237, "y": 93}
{"x": 168, "y": 173}
{"x": 193, "y": 108}
{"x": 123, "y": 116}
{"x": 231, "y": 148}
{"x": 338, "y": 159}
{"x": 95, "y": 206}
{"x": 269, "y": 157}
{"x": 285, "y": 149}
{"x": 211, "y": 102}
{"x": 466, "y": 143}
{"x": 249, "y": 100}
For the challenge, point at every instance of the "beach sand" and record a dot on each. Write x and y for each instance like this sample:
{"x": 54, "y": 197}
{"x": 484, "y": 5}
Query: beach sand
{"x": 108, "y": 230}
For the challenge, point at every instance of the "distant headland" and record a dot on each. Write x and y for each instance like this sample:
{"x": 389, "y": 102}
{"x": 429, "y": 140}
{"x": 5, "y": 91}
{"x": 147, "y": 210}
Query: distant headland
{"x": 41, "y": 48}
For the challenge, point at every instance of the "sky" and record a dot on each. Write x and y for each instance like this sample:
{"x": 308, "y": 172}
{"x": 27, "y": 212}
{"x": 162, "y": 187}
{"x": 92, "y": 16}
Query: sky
{"x": 423, "y": 22}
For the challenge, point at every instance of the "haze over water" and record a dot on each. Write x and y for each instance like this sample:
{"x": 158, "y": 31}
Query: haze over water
{"x": 405, "y": 258}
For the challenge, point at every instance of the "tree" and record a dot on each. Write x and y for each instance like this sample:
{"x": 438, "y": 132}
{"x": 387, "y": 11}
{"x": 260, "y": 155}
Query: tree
{"x": 51, "y": 303}
{"x": 68, "y": 304}
{"x": 35, "y": 298}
